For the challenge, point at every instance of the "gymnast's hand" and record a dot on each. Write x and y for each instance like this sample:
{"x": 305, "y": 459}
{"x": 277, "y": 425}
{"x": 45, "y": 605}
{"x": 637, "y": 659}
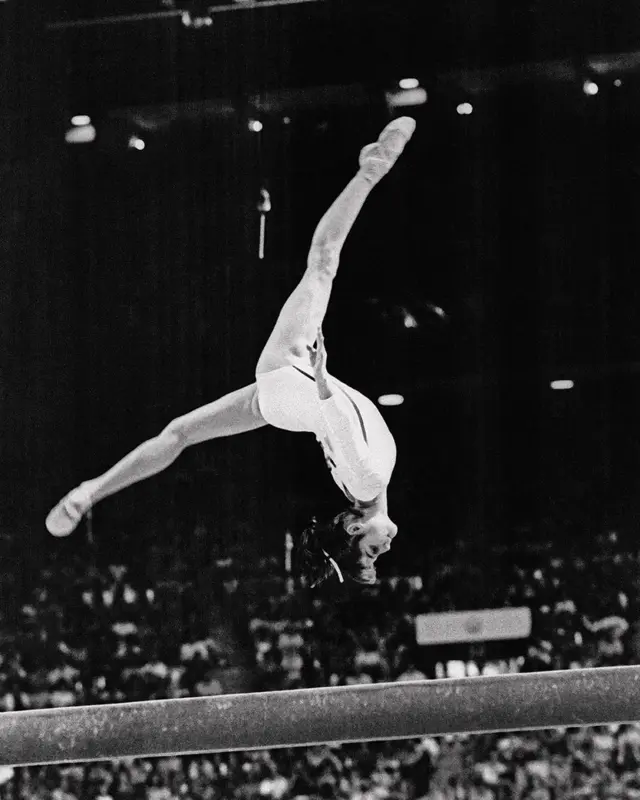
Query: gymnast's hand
{"x": 318, "y": 358}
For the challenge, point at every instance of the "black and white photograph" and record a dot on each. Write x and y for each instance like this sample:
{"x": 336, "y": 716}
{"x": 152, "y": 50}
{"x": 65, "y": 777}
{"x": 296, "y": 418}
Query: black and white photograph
{"x": 320, "y": 400}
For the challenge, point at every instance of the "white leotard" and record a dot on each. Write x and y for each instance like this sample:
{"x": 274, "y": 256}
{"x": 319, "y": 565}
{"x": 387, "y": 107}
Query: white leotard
{"x": 358, "y": 446}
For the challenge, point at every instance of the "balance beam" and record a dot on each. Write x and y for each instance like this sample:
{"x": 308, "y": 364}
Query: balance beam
{"x": 298, "y": 717}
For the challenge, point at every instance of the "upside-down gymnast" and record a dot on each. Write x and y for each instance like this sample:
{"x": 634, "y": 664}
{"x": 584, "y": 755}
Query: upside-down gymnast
{"x": 294, "y": 391}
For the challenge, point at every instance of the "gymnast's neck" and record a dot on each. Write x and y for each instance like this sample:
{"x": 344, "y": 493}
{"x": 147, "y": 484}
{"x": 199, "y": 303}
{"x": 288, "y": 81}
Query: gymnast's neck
{"x": 378, "y": 503}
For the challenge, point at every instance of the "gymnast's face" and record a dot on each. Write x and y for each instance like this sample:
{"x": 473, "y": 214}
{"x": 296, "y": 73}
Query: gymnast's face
{"x": 374, "y": 531}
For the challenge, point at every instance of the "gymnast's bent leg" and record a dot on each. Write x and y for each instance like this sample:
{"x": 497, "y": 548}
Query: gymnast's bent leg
{"x": 234, "y": 413}
{"x": 303, "y": 313}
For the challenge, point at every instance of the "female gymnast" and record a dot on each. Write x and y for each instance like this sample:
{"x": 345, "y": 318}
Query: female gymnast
{"x": 294, "y": 391}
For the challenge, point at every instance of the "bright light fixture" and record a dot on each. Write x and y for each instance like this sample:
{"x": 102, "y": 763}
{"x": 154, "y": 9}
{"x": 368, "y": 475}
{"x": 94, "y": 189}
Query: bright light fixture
{"x": 562, "y": 385}
{"x": 404, "y": 98}
{"x": 409, "y": 83}
{"x": 136, "y": 143}
{"x": 83, "y": 134}
{"x": 391, "y": 400}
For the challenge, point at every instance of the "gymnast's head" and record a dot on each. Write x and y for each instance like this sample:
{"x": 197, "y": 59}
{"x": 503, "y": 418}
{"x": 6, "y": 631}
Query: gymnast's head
{"x": 345, "y": 547}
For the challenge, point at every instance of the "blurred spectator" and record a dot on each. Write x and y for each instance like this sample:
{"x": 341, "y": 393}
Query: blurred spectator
{"x": 411, "y": 673}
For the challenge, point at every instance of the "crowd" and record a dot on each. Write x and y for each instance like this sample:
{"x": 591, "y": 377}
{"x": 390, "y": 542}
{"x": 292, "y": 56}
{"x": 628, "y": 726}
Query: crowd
{"x": 109, "y": 632}
{"x": 87, "y": 635}
{"x": 579, "y": 763}
{"x": 585, "y": 612}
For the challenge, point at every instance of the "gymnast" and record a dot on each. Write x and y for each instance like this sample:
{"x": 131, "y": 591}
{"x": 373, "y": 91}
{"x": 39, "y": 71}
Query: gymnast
{"x": 294, "y": 391}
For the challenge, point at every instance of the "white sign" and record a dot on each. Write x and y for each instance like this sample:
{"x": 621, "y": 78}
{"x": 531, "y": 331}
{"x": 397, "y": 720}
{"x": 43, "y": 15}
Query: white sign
{"x": 473, "y": 626}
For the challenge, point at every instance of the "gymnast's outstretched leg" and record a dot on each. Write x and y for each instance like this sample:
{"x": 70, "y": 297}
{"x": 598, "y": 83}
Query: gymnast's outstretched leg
{"x": 234, "y": 413}
{"x": 303, "y": 313}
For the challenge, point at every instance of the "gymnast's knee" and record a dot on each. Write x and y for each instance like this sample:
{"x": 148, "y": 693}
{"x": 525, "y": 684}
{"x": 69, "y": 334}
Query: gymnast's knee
{"x": 174, "y": 438}
{"x": 323, "y": 259}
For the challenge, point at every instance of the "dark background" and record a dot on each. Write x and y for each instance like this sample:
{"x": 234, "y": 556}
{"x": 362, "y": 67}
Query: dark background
{"x": 132, "y": 289}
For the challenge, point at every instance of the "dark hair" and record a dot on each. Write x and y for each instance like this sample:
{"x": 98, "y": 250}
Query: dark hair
{"x": 320, "y": 542}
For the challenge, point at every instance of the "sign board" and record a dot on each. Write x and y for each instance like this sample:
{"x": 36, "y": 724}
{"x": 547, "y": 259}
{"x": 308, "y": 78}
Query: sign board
{"x": 486, "y": 625}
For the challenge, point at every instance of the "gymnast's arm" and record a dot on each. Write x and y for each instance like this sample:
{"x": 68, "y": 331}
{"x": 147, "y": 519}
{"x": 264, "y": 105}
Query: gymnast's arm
{"x": 343, "y": 427}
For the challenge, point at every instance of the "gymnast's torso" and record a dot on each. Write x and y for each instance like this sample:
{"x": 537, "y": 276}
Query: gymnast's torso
{"x": 358, "y": 446}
